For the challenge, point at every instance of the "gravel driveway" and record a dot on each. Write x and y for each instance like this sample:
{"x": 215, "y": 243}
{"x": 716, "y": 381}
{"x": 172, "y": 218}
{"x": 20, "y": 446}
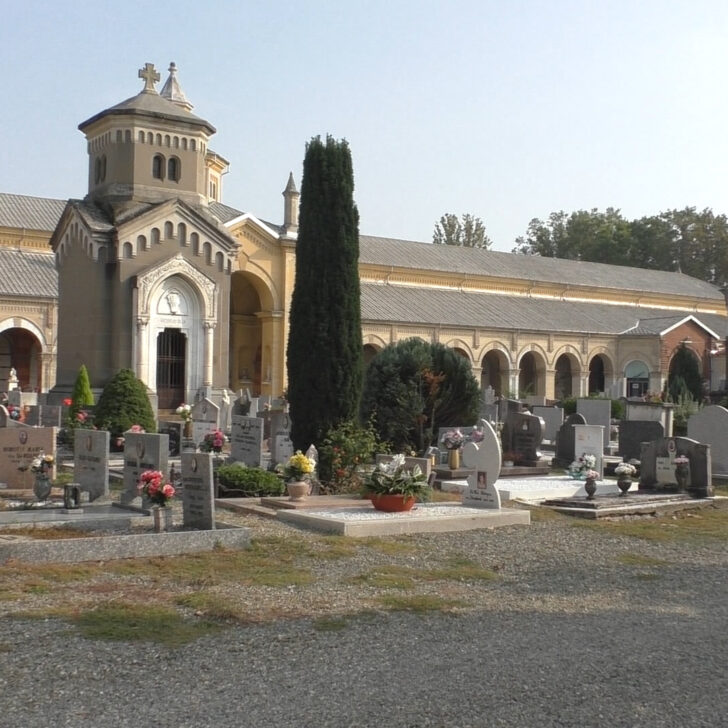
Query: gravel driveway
{"x": 572, "y": 633}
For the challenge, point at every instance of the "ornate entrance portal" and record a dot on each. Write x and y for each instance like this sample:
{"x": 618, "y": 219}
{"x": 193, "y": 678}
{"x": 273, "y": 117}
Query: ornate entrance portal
{"x": 171, "y": 357}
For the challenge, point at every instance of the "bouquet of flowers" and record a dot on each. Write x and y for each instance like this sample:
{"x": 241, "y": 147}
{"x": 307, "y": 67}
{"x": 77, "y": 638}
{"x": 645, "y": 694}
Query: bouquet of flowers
{"x": 577, "y": 469}
{"x": 213, "y": 442}
{"x": 625, "y": 470}
{"x": 299, "y": 467}
{"x": 453, "y": 439}
{"x": 151, "y": 484}
{"x": 42, "y": 463}
{"x": 591, "y": 474}
{"x": 14, "y": 412}
{"x": 184, "y": 411}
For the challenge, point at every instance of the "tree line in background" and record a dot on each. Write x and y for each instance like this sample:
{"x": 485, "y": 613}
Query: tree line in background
{"x": 692, "y": 241}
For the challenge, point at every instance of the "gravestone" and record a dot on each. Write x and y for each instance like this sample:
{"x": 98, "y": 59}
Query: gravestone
{"x": 282, "y": 448}
{"x": 198, "y": 491}
{"x": 246, "y": 440}
{"x": 632, "y": 433}
{"x": 205, "y": 418}
{"x": 535, "y": 400}
{"x": 657, "y": 468}
{"x": 522, "y": 435}
{"x": 553, "y": 418}
{"x": 484, "y": 458}
{"x": 142, "y": 452}
{"x": 18, "y": 448}
{"x": 652, "y": 411}
{"x": 710, "y": 426}
{"x": 91, "y": 462}
{"x": 425, "y": 464}
{"x": 488, "y": 405}
{"x": 22, "y": 399}
{"x": 507, "y": 406}
{"x": 597, "y": 412}
{"x": 50, "y": 415}
{"x": 589, "y": 440}
{"x": 565, "y": 442}
{"x": 174, "y": 429}
{"x": 4, "y": 416}
{"x": 32, "y": 415}
{"x": 240, "y": 406}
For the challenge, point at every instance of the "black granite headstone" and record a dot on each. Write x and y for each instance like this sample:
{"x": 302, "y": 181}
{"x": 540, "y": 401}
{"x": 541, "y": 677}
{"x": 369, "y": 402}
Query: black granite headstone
{"x": 632, "y": 433}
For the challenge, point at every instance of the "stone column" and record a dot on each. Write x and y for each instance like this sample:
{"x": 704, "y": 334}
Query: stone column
{"x": 209, "y": 351}
{"x": 142, "y": 348}
{"x": 550, "y": 384}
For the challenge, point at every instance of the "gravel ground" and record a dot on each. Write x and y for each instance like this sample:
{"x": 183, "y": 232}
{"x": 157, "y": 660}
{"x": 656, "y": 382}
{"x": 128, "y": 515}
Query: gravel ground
{"x": 568, "y": 635}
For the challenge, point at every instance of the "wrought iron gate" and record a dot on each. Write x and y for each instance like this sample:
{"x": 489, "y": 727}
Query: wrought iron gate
{"x": 171, "y": 351}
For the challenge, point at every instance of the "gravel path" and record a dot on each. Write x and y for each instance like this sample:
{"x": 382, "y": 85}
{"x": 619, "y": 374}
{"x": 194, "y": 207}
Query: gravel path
{"x": 569, "y": 635}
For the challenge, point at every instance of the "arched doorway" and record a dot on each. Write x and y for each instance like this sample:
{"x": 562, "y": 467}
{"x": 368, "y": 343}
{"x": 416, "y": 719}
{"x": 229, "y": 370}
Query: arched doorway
{"x": 369, "y": 351}
{"x": 531, "y": 375}
{"x": 563, "y": 378}
{"x": 171, "y": 368}
{"x": 21, "y": 350}
{"x": 597, "y": 374}
{"x": 246, "y": 335}
{"x": 494, "y": 372}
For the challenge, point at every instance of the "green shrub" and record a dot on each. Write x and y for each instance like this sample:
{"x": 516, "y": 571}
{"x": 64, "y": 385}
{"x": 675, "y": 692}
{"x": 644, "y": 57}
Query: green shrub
{"x": 345, "y": 448}
{"x": 569, "y": 405}
{"x": 251, "y": 482}
{"x": 124, "y": 403}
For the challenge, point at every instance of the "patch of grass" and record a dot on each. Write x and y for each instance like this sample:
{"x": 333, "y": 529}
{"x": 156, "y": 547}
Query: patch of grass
{"x": 387, "y": 577}
{"x": 460, "y": 569}
{"x": 336, "y": 547}
{"x": 639, "y": 560}
{"x": 330, "y": 624}
{"x": 212, "y": 605}
{"x": 7, "y": 595}
{"x": 122, "y": 622}
{"x": 705, "y": 524}
{"x": 419, "y": 603}
{"x": 52, "y": 533}
{"x": 543, "y": 514}
{"x": 390, "y": 546}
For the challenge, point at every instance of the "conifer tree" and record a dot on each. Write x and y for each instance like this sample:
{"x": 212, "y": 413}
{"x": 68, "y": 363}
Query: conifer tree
{"x": 82, "y": 395}
{"x": 324, "y": 356}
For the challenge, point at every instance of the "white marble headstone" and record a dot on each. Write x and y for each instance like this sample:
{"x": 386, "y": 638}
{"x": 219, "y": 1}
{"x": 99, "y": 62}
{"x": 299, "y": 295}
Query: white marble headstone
{"x": 589, "y": 440}
{"x": 91, "y": 462}
{"x": 205, "y": 418}
{"x": 198, "y": 491}
{"x": 484, "y": 458}
{"x": 597, "y": 412}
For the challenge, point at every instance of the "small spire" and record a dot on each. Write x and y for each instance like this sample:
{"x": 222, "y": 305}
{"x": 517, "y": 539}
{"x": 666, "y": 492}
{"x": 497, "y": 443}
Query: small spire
{"x": 172, "y": 91}
{"x": 150, "y": 77}
{"x": 291, "y": 186}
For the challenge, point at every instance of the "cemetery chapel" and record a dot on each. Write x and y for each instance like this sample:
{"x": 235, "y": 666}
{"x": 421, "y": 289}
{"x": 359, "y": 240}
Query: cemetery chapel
{"x": 151, "y": 271}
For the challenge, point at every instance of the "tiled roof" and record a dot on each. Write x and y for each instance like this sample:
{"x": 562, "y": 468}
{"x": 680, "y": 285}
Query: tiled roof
{"x": 31, "y": 213}
{"x": 27, "y": 273}
{"x": 478, "y": 262}
{"x": 427, "y": 306}
{"x": 224, "y": 213}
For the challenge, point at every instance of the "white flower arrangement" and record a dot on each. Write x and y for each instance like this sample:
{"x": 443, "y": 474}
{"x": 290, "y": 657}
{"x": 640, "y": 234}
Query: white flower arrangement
{"x": 625, "y": 470}
{"x": 578, "y": 468}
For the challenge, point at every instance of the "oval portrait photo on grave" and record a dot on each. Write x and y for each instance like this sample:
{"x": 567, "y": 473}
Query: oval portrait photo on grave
{"x": 23, "y": 437}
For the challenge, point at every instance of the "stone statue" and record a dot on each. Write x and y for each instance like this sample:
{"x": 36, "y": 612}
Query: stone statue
{"x": 225, "y": 411}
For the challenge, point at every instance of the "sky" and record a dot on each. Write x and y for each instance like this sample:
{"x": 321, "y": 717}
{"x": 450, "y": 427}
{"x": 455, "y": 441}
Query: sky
{"x": 508, "y": 110}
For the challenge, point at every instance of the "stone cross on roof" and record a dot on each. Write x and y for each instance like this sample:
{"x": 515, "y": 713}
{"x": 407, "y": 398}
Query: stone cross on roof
{"x": 150, "y": 76}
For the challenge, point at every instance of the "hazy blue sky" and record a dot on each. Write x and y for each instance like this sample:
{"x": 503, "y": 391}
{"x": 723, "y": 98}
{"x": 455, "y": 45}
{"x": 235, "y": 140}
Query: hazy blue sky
{"x": 507, "y": 110}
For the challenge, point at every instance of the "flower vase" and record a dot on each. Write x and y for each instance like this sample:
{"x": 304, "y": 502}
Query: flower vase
{"x": 42, "y": 486}
{"x": 624, "y": 484}
{"x": 187, "y": 430}
{"x": 297, "y": 490}
{"x": 162, "y": 518}
{"x": 590, "y": 486}
{"x": 453, "y": 458}
{"x": 681, "y": 476}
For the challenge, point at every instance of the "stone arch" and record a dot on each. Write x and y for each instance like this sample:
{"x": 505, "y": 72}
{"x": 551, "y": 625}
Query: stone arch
{"x": 369, "y": 351}
{"x": 254, "y": 333}
{"x": 636, "y": 373}
{"x": 601, "y": 372}
{"x": 532, "y": 371}
{"x": 495, "y": 367}
{"x": 567, "y": 372}
{"x": 22, "y": 346}
{"x": 462, "y": 349}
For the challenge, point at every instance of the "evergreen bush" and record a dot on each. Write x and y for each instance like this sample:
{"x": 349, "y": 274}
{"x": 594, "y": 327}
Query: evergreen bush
{"x": 81, "y": 398}
{"x": 123, "y": 403}
{"x": 412, "y": 388}
{"x": 250, "y": 482}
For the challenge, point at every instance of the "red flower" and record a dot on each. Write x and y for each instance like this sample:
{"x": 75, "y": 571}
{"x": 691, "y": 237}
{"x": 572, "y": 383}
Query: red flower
{"x": 68, "y": 401}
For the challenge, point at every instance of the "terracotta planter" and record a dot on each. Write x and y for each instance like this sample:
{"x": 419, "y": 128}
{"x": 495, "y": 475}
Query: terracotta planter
{"x": 393, "y": 502}
{"x": 297, "y": 490}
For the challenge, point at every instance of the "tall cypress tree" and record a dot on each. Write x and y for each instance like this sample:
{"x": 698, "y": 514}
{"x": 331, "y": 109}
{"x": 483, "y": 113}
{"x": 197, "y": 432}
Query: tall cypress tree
{"x": 324, "y": 356}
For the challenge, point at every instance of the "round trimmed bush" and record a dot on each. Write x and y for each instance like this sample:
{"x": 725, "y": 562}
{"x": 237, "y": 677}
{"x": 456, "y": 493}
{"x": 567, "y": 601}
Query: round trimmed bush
{"x": 249, "y": 482}
{"x": 124, "y": 403}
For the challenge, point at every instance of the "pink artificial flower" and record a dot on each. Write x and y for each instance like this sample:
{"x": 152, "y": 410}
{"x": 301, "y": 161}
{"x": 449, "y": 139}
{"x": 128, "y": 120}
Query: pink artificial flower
{"x": 136, "y": 428}
{"x": 168, "y": 491}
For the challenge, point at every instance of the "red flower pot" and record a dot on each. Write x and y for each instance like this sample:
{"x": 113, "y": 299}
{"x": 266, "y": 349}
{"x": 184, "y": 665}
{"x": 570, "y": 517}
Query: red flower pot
{"x": 392, "y": 503}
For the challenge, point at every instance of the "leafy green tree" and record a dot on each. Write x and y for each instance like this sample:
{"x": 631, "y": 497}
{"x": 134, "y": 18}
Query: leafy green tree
{"x": 412, "y": 388}
{"x": 81, "y": 397}
{"x": 468, "y": 232}
{"x": 324, "y": 356}
{"x": 124, "y": 403}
